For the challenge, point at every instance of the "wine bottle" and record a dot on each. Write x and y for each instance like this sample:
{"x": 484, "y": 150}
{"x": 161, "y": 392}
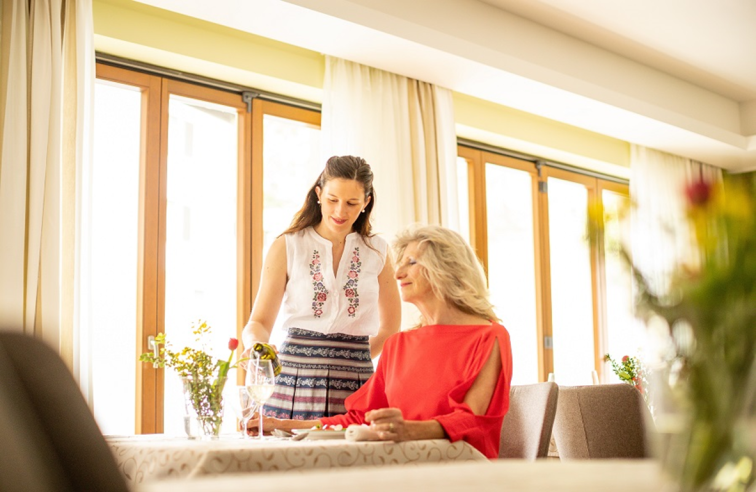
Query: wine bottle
{"x": 264, "y": 351}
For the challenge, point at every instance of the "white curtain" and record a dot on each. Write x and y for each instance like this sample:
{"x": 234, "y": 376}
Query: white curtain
{"x": 405, "y": 130}
{"x": 47, "y": 72}
{"x": 660, "y": 236}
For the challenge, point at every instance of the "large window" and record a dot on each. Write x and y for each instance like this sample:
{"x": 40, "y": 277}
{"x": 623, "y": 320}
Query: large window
{"x": 511, "y": 265}
{"x": 565, "y": 299}
{"x": 188, "y": 188}
{"x": 109, "y": 253}
{"x": 292, "y": 164}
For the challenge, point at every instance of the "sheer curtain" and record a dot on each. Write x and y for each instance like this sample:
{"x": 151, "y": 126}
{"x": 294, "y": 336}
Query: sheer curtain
{"x": 660, "y": 237}
{"x": 405, "y": 129}
{"x": 47, "y": 71}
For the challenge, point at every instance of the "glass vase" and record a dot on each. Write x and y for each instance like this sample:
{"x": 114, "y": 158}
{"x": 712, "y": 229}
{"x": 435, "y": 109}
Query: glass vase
{"x": 203, "y": 405}
{"x": 705, "y": 445}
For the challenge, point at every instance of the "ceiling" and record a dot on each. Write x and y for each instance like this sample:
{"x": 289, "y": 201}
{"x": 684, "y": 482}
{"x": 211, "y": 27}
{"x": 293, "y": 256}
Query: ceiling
{"x": 709, "y": 43}
{"x": 678, "y": 75}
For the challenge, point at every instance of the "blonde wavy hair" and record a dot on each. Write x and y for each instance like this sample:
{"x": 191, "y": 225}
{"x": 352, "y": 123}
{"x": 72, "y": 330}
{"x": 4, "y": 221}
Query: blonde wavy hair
{"x": 450, "y": 266}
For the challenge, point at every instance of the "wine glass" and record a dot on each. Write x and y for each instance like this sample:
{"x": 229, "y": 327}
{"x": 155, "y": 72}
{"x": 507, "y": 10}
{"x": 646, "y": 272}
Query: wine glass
{"x": 243, "y": 406}
{"x": 260, "y": 382}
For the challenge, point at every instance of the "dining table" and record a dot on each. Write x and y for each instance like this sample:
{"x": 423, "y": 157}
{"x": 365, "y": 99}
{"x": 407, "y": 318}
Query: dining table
{"x": 154, "y": 457}
{"x": 624, "y": 475}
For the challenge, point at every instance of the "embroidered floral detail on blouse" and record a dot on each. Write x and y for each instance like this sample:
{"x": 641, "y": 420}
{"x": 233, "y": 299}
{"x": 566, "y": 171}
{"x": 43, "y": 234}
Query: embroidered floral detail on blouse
{"x": 350, "y": 288}
{"x": 320, "y": 292}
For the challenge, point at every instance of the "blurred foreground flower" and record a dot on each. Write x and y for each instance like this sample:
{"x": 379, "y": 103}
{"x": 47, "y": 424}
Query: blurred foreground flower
{"x": 710, "y": 312}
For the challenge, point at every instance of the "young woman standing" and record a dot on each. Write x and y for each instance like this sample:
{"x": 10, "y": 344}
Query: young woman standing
{"x": 340, "y": 302}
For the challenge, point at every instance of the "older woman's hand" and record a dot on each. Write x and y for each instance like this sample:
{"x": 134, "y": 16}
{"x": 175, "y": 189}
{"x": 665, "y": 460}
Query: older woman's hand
{"x": 390, "y": 424}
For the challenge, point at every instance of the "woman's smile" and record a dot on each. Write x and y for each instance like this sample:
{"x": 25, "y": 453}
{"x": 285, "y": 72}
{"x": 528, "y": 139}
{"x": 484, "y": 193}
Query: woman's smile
{"x": 341, "y": 202}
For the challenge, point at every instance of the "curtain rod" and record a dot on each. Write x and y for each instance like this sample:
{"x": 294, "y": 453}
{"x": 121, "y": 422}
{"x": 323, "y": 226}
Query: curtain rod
{"x": 201, "y": 80}
{"x": 530, "y": 158}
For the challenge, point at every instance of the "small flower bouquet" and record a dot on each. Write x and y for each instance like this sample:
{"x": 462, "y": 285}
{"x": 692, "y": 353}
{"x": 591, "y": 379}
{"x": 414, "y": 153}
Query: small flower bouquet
{"x": 203, "y": 376}
{"x": 629, "y": 371}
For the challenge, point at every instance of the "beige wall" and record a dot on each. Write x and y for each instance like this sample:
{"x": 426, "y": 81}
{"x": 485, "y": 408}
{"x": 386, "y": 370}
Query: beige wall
{"x": 137, "y": 31}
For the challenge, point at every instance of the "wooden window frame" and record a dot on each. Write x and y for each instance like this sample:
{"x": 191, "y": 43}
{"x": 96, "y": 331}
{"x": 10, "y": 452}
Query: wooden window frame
{"x": 260, "y": 108}
{"x": 153, "y": 161}
{"x": 601, "y": 332}
{"x": 476, "y": 161}
{"x": 149, "y": 381}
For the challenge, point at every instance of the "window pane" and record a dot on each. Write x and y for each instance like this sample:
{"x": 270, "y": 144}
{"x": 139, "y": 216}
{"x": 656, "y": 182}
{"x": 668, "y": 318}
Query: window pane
{"x": 625, "y": 335}
{"x": 109, "y": 255}
{"x": 511, "y": 264}
{"x": 200, "y": 250}
{"x": 292, "y": 163}
{"x": 463, "y": 198}
{"x": 571, "y": 294}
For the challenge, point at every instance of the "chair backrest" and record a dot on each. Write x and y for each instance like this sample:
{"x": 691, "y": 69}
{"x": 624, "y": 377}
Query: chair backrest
{"x": 27, "y": 461}
{"x": 526, "y": 430}
{"x": 62, "y": 442}
{"x": 602, "y": 421}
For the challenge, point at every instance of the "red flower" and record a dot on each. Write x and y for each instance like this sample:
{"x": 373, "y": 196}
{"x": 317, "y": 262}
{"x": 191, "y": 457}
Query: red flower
{"x": 322, "y": 297}
{"x": 350, "y": 292}
{"x": 625, "y": 359}
{"x": 352, "y": 274}
{"x": 317, "y": 313}
{"x": 233, "y": 343}
{"x": 355, "y": 259}
{"x": 317, "y": 277}
{"x": 351, "y": 309}
{"x": 698, "y": 192}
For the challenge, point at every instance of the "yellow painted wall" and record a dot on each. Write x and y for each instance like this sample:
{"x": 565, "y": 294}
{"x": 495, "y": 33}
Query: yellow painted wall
{"x": 141, "y": 32}
{"x": 137, "y": 31}
{"x": 513, "y": 129}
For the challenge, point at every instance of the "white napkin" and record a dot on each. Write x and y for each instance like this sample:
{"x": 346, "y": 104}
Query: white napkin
{"x": 361, "y": 433}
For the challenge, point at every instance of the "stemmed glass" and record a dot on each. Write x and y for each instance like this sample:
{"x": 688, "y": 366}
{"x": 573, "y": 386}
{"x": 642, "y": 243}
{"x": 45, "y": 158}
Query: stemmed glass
{"x": 244, "y": 407}
{"x": 260, "y": 382}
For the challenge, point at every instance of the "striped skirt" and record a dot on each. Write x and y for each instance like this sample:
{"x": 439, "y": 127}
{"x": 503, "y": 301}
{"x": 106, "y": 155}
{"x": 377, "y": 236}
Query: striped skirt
{"x": 318, "y": 372}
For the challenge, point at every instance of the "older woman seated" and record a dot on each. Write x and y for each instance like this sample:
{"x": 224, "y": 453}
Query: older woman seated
{"x": 447, "y": 378}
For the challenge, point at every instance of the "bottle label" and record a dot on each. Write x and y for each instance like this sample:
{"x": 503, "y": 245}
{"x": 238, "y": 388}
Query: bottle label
{"x": 264, "y": 351}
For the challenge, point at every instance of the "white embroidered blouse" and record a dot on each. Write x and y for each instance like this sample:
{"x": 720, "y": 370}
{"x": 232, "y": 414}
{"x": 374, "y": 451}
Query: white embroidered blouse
{"x": 316, "y": 300}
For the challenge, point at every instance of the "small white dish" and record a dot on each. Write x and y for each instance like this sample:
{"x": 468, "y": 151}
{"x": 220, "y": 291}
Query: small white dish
{"x": 316, "y": 434}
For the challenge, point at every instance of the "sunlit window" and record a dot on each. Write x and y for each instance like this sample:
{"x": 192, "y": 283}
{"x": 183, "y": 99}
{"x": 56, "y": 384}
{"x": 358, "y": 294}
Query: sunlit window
{"x": 201, "y": 234}
{"x": 571, "y": 288}
{"x": 625, "y": 334}
{"x": 109, "y": 254}
{"x": 292, "y": 163}
{"x": 511, "y": 274}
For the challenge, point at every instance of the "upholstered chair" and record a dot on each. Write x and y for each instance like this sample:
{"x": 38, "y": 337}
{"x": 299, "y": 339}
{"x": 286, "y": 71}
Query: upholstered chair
{"x": 526, "y": 430}
{"x": 50, "y": 439}
{"x": 601, "y": 421}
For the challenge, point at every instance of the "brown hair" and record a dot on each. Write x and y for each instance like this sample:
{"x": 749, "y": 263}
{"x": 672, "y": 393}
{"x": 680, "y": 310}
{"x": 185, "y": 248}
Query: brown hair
{"x": 337, "y": 167}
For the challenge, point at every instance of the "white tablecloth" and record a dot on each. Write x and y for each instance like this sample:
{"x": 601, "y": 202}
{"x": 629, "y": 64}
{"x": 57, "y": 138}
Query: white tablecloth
{"x": 152, "y": 457}
{"x": 495, "y": 476}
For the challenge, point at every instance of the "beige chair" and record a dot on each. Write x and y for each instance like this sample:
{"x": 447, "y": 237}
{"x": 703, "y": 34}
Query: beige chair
{"x": 526, "y": 430}
{"x": 50, "y": 439}
{"x": 602, "y": 421}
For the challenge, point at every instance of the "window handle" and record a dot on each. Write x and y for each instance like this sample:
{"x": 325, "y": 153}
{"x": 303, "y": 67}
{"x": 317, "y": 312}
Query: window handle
{"x": 151, "y": 345}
